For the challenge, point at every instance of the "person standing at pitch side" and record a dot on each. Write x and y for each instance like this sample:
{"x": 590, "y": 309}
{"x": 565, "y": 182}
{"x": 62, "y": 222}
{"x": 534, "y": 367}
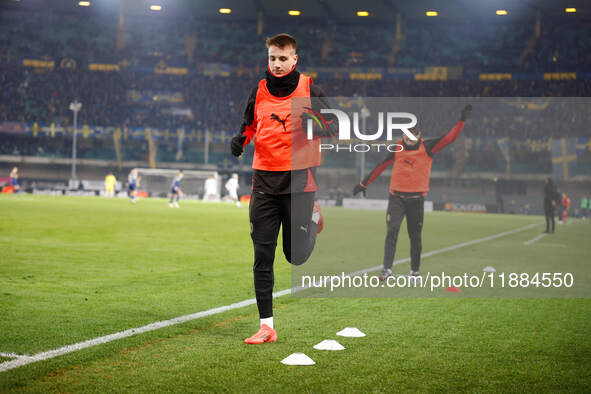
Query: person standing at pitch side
{"x": 409, "y": 184}
{"x": 284, "y": 187}
{"x": 551, "y": 197}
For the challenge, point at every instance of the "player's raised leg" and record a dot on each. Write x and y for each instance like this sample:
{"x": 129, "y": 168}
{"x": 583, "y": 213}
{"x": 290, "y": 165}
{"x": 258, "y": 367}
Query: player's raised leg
{"x": 300, "y": 223}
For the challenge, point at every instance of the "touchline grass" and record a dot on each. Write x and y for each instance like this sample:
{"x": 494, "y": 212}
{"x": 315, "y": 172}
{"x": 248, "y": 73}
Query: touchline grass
{"x": 72, "y": 269}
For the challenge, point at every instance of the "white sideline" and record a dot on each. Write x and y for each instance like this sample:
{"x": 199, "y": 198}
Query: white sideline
{"x": 12, "y": 355}
{"x": 536, "y": 238}
{"x": 22, "y": 360}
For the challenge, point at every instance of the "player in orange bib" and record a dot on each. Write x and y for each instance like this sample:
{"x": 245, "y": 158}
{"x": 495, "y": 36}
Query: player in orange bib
{"x": 283, "y": 187}
{"x": 409, "y": 184}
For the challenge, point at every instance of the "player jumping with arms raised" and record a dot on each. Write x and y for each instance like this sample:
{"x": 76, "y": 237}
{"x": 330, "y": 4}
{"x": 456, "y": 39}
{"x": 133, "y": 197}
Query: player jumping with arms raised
{"x": 409, "y": 184}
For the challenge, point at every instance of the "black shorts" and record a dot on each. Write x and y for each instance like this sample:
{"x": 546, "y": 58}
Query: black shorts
{"x": 290, "y": 211}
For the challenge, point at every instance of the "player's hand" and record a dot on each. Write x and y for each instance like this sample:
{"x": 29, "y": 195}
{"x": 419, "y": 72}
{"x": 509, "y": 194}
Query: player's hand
{"x": 237, "y": 144}
{"x": 466, "y": 112}
{"x": 360, "y": 188}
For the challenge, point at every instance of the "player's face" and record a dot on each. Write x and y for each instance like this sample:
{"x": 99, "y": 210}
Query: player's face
{"x": 410, "y": 142}
{"x": 282, "y": 60}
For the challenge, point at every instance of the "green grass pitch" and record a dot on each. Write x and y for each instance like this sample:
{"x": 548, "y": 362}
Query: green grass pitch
{"x": 75, "y": 268}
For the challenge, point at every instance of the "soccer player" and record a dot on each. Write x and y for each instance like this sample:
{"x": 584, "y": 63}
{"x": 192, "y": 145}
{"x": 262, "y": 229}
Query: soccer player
{"x": 110, "y": 182}
{"x": 409, "y": 184}
{"x": 584, "y": 206}
{"x": 175, "y": 190}
{"x": 550, "y": 198}
{"x": 133, "y": 181}
{"x": 232, "y": 187}
{"x": 283, "y": 189}
{"x": 211, "y": 189}
{"x": 14, "y": 180}
{"x": 566, "y": 205}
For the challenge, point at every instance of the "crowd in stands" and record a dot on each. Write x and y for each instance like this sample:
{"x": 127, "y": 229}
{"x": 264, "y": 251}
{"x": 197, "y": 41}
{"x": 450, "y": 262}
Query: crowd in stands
{"x": 217, "y": 103}
{"x": 132, "y": 99}
{"x": 473, "y": 43}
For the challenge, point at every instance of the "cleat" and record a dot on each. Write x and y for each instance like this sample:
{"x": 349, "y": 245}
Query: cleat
{"x": 170, "y": 205}
{"x": 176, "y": 204}
{"x": 265, "y": 334}
{"x": 386, "y": 272}
{"x": 317, "y": 217}
{"x": 415, "y": 278}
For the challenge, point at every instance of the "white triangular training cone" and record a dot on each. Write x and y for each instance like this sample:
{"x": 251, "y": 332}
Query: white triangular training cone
{"x": 297, "y": 359}
{"x": 489, "y": 269}
{"x": 329, "y": 344}
{"x": 351, "y": 332}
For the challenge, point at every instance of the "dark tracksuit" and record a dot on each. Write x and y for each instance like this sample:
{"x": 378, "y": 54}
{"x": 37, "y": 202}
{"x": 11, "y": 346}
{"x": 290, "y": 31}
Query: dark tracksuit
{"x": 551, "y": 198}
{"x": 279, "y": 198}
{"x": 409, "y": 204}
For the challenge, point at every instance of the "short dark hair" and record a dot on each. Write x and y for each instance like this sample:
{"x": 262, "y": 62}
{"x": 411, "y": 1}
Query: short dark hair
{"x": 281, "y": 40}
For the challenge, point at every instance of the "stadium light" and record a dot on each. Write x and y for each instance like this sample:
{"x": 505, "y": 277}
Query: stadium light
{"x": 225, "y": 10}
{"x": 501, "y": 12}
{"x": 362, "y": 13}
{"x": 431, "y": 13}
{"x": 84, "y": 3}
{"x": 294, "y": 12}
{"x": 570, "y": 10}
{"x": 155, "y": 7}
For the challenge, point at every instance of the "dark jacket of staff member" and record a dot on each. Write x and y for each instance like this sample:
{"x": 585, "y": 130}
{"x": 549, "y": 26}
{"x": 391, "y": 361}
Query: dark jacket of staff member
{"x": 551, "y": 197}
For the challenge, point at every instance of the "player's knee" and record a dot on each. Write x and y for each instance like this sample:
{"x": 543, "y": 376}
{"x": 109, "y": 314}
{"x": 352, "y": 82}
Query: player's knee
{"x": 415, "y": 236}
{"x": 264, "y": 254}
{"x": 392, "y": 233}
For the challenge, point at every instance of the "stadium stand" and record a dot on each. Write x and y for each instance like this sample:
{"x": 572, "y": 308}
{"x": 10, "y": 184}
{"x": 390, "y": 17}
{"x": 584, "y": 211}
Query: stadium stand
{"x": 194, "y": 75}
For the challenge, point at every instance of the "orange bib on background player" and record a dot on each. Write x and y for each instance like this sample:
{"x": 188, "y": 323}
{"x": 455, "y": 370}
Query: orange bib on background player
{"x": 411, "y": 170}
{"x": 280, "y": 142}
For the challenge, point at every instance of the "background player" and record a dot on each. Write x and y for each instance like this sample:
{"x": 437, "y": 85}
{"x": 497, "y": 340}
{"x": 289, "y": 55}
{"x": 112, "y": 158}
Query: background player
{"x": 133, "y": 180}
{"x": 14, "y": 180}
{"x": 409, "y": 184}
{"x": 565, "y": 208}
{"x": 211, "y": 189}
{"x": 232, "y": 187}
{"x": 175, "y": 190}
{"x": 110, "y": 182}
{"x": 585, "y": 201}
